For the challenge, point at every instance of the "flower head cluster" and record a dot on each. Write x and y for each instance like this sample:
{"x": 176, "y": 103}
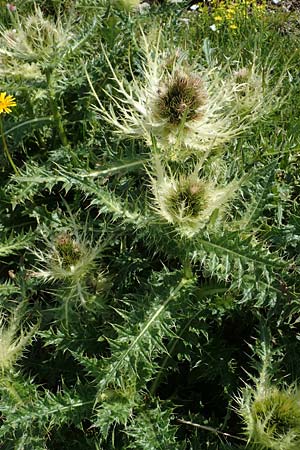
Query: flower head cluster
{"x": 183, "y": 110}
{"x": 6, "y": 102}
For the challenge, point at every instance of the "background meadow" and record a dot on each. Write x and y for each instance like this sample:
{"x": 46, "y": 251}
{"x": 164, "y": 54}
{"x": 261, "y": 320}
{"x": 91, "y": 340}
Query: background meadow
{"x": 149, "y": 225}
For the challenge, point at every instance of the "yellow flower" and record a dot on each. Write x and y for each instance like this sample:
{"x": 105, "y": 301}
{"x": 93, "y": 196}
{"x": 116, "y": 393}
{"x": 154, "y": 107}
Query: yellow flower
{"x": 233, "y": 26}
{"x": 218, "y": 18}
{"x": 6, "y": 101}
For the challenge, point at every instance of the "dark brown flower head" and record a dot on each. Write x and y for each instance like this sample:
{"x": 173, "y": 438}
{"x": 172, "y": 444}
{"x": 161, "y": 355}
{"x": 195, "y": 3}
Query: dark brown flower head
{"x": 181, "y": 98}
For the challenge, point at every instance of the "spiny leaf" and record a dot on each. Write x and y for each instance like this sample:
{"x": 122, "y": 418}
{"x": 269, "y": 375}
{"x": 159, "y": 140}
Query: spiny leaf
{"x": 11, "y": 244}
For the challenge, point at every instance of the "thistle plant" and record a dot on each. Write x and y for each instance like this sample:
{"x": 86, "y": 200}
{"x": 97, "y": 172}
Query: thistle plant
{"x": 184, "y": 108}
{"x": 150, "y": 261}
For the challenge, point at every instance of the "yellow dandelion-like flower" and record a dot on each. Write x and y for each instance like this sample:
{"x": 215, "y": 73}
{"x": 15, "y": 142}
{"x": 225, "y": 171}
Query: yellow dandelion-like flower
{"x": 218, "y": 18}
{"x": 233, "y": 26}
{"x": 6, "y": 102}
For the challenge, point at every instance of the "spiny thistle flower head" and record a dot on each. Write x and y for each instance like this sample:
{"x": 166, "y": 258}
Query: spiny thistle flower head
{"x": 35, "y": 40}
{"x": 188, "y": 201}
{"x": 271, "y": 417}
{"x": 241, "y": 75}
{"x": 66, "y": 258}
{"x": 13, "y": 339}
{"x": 6, "y": 102}
{"x": 182, "y": 107}
{"x": 181, "y": 98}
{"x": 250, "y": 95}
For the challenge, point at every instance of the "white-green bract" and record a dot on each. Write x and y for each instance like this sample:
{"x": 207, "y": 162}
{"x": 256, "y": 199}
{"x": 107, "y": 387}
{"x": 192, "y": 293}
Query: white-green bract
{"x": 188, "y": 201}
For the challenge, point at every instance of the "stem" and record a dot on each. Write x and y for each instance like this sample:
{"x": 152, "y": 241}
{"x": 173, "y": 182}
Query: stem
{"x": 157, "y": 380}
{"x": 6, "y": 151}
{"x": 9, "y": 385}
{"x": 55, "y": 110}
{"x": 207, "y": 428}
{"x": 187, "y": 269}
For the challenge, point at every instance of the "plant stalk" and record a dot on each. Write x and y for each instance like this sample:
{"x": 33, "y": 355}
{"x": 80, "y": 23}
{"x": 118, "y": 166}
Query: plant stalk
{"x": 6, "y": 151}
{"x": 55, "y": 111}
{"x": 187, "y": 269}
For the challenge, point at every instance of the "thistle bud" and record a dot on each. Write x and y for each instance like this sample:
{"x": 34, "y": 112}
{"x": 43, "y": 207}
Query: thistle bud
{"x": 66, "y": 258}
{"x": 11, "y": 7}
{"x": 67, "y": 250}
{"x": 187, "y": 201}
{"x": 249, "y": 90}
{"x": 271, "y": 417}
{"x": 36, "y": 40}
